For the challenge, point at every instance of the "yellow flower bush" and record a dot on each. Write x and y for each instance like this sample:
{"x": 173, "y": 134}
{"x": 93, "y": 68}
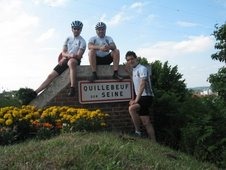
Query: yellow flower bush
{"x": 55, "y": 117}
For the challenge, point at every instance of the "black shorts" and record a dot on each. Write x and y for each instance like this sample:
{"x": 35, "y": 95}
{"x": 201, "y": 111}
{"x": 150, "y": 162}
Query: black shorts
{"x": 61, "y": 68}
{"x": 106, "y": 60}
{"x": 145, "y": 103}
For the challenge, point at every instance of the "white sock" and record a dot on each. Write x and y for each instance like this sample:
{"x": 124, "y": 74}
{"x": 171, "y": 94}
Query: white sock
{"x": 138, "y": 132}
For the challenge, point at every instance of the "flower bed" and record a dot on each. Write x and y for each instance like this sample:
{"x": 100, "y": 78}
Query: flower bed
{"x": 17, "y": 124}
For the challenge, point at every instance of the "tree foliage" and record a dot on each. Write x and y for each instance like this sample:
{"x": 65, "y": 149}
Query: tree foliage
{"x": 8, "y": 99}
{"x": 220, "y": 36}
{"x": 192, "y": 124}
{"x": 168, "y": 78}
{"x": 218, "y": 80}
{"x": 170, "y": 92}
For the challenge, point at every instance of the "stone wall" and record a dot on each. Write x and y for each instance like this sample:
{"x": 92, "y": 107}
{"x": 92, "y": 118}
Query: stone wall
{"x": 56, "y": 95}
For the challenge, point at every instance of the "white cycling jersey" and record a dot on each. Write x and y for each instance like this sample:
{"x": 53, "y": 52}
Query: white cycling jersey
{"x": 73, "y": 44}
{"x": 141, "y": 72}
{"x": 106, "y": 40}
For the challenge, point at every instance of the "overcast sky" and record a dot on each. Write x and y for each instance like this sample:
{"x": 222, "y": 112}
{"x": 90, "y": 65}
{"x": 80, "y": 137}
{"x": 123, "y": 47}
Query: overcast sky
{"x": 32, "y": 33}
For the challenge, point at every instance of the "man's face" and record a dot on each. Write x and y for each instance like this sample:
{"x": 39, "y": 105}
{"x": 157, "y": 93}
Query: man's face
{"x": 101, "y": 32}
{"x": 76, "y": 31}
{"x": 131, "y": 60}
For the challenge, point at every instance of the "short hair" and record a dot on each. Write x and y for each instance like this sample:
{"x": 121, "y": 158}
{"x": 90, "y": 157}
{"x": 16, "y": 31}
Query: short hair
{"x": 131, "y": 53}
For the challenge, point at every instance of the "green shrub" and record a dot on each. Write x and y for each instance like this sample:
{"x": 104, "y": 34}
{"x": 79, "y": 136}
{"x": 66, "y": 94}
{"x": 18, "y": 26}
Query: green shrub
{"x": 8, "y": 99}
{"x": 204, "y": 135}
{"x": 25, "y": 95}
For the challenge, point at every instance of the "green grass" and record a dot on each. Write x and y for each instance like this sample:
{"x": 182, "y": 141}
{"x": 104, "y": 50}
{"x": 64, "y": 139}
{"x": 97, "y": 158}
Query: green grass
{"x": 90, "y": 151}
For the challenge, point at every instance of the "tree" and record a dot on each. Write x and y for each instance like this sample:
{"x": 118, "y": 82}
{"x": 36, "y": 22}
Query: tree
{"x": 189, "y": 123}
{"x": 218, "y": 80}
{"x": 220, "y": 36}
{"x": 8, "y": 99}
{"x": 170, "y": 93}
{"x": 168, "y": 79}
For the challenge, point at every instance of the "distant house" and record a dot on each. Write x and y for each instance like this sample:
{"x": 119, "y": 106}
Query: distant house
{"x": 203, "y": 91}
{"x": 206, "y": 92}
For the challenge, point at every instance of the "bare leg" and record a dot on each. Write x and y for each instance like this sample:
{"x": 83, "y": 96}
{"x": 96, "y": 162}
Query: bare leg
{"x": 48, "y": 80}
{"x": 92, "y": 59}
{"x": 116, "y": 57}
{"x": 135, "y": 117}
{"x": 149, "y": 127}
{"x": 72, "y": 63}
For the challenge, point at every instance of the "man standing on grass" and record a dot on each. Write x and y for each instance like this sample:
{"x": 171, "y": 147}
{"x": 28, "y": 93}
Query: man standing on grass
{"x": 139, "y": 106}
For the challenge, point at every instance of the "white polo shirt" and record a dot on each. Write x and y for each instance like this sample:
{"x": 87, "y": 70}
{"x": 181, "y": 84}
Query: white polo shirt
{"x": 73, "y": 44}
{"x": 141, "y": 72}
{"x": 96, "y": 40}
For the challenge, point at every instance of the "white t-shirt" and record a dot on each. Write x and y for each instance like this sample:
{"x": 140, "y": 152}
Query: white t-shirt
{"x": 101, "y": 41}
{"x": 141, "y": 72}
{"x": 73, "y": 44}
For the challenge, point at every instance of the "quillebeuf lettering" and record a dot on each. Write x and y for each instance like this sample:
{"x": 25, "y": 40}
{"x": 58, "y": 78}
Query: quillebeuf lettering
{"x": 112, "y": 87}
{"x": 85, "y": 88}
{"x": 116, "y": 87}
{"x": 105, "y": 91}
{"x": 105, "y": 87}
{"x": 126, "y": 86}
{"x": 90, "y": 88}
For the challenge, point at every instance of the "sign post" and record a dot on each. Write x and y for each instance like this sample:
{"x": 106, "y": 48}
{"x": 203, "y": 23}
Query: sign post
{"x": 103, "y": 91}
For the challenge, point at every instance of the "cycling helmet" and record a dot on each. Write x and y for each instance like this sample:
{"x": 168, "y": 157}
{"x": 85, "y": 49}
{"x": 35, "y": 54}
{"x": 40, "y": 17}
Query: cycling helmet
{"x": 76, "y": 24}
{"x": 100, "y": 25}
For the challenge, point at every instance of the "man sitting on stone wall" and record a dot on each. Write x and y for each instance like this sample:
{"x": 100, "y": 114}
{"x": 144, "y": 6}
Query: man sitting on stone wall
{"x": 103, "y": 51}
{"x": 71, "y": 55}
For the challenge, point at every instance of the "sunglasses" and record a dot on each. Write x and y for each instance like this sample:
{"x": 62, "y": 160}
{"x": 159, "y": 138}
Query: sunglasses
{"x": 76, "y": 28}
{"x": 100, "y": 29}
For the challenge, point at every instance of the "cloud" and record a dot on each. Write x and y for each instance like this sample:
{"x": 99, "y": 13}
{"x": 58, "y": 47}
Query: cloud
{"x": 14, "y": 20}
{"x": 45, "y": 36}
{"x": 118, "y": 19}
{"x": 221, "y": 2}
{"x": 186, "y": 24}
{"x": 136, "y": 6}
{"x": 167, "y": 49}
{"x": 15, "y": 27}
{"x": 125, "y": 14}
{"x": 194, "y": 44}
{"x": 151, "y": 17}
{"x": 17, "y": 32}
{"x": 52, "y": 3}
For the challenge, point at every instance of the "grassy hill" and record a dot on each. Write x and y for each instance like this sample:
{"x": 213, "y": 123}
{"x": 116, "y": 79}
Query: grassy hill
{"x": 100, "y": 151}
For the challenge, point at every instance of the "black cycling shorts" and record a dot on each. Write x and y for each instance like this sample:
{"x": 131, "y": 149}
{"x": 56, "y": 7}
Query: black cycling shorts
{"x": 61, "y": 68}
{"x": 145, "y": 103}
{"x": 106, "y": 60}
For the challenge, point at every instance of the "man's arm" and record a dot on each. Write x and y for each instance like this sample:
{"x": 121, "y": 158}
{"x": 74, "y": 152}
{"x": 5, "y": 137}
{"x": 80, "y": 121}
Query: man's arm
{"x": 79, "y": 54}
{"x": 93, "y": 46}
{"x": 112, "y": 46}
{"x": 105, "y": 48}
{"x": 65, "y": 53}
